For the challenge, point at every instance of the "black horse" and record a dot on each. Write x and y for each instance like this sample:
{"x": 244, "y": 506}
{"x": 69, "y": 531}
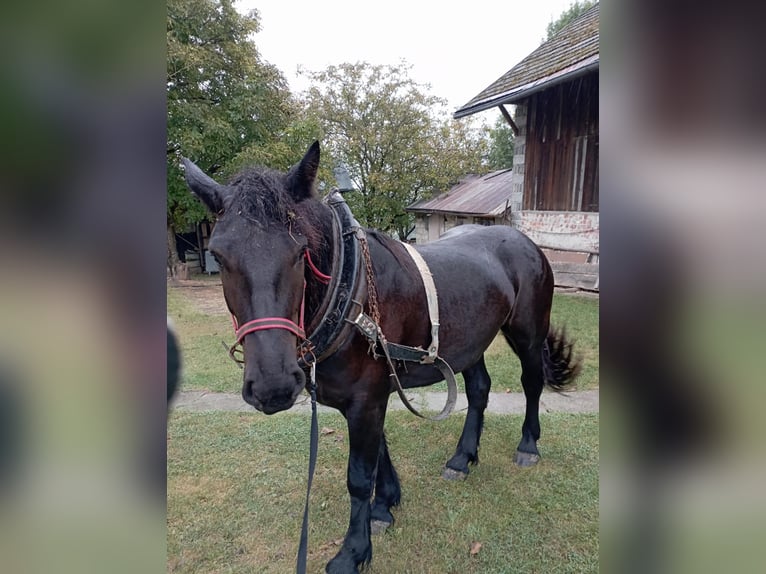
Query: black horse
{"x": 297, "y": 272}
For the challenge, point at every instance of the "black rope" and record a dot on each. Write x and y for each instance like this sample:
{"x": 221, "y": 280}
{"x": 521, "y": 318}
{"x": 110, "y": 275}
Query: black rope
{"x": 313, "y": 447}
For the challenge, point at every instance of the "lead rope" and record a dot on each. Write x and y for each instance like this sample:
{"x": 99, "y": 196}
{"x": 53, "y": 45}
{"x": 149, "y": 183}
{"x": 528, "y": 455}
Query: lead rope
{"x": 300, "y": 567}
{"x": 304, "y": 349}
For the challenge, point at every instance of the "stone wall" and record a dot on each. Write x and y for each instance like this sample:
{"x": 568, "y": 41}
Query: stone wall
{"x": 568, "y": 230}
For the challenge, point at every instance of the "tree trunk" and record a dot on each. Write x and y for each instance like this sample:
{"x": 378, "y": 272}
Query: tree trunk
{"x": 178, "y": 270}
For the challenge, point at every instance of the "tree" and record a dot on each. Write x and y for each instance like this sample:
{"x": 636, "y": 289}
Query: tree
{"x": 223, "y": 101}
{"x": 388, "y": 132}
{"x": 501, "y": 141}
{"x": 574, "y": 10}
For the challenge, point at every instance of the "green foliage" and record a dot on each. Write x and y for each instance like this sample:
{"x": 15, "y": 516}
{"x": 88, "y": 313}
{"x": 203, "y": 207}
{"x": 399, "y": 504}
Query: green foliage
{"x": 390, "y": 134}
{"x": 223, "y": 100}
{"x": 574, "y": 10}
{"x": 501, "y": 140}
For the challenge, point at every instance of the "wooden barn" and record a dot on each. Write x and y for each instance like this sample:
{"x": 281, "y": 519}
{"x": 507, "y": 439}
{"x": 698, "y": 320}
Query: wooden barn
{"x": 554, "y": 196}
{"x": 484, "y": 200}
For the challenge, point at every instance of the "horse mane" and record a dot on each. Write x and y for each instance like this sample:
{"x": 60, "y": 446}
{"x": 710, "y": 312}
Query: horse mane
{"x": 263, "y": 198}
{"x": 394, "y": 248}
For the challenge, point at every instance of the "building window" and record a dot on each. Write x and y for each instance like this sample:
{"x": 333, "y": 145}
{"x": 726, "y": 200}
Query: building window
{"x": 482, "y": 221}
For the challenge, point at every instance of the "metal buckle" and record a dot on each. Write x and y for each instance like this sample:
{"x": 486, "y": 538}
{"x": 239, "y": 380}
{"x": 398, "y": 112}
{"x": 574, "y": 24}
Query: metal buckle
{"x": 367, "y": 326}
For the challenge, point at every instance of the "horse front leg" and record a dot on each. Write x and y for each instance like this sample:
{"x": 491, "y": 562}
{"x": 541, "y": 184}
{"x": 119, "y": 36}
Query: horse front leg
{"x": 388, "y": 492}
{"x": 365, "y": 433}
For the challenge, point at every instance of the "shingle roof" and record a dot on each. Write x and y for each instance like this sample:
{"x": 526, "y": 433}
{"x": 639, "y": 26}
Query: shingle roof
{"x": 573, "y": 51}
{"x": 486, "y": 195}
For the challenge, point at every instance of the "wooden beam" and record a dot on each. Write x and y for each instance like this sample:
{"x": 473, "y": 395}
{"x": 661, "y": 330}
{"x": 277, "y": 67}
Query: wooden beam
{"x": 572, "y": 249}
{"x": 509, "y": 119}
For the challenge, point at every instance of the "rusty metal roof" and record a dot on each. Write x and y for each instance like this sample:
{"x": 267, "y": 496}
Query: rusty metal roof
{"x": 477, "y": 195}
{"x": 572, "y": 52}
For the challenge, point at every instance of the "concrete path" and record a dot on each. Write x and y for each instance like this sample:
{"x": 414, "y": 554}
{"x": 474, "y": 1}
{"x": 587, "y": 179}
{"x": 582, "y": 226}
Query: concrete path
{"x": 501, "y": 403}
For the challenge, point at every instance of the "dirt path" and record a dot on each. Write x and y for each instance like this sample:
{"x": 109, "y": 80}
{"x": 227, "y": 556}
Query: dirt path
{"x": 499, "y": 403}
{"x": 205, "y": 294}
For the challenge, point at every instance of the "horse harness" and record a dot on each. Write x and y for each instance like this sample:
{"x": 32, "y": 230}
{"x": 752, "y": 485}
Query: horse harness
{"x": 343, "y": 310}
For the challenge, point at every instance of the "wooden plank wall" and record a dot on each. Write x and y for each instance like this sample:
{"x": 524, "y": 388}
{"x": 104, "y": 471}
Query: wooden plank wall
{"x": 577, "y": 275}
{"x": 561, "y": 171}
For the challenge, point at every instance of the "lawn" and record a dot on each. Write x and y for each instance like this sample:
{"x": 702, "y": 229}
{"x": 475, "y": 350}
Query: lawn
{"x": 236, "y": 486}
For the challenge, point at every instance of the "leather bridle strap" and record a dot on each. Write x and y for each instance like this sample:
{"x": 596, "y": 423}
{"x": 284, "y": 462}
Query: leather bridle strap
{"x": 321, "y": 277}
{"x": 269, "y": 323}
{"x": 265, "y": 323}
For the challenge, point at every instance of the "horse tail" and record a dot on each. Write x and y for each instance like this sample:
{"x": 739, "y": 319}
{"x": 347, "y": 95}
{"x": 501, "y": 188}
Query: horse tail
{"x": 560, "y": 365}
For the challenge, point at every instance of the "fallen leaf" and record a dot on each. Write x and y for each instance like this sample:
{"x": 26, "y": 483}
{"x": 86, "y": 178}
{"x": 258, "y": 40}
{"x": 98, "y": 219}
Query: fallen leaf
{"x": 475, "y": 547}
{"x": 327, "y": 430}
{"x": 330, "y": 544}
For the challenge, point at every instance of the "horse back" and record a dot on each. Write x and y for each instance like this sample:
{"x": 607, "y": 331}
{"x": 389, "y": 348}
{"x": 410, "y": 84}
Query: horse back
{"x": 479, "y": 273}
{"x": 495, "y": 248}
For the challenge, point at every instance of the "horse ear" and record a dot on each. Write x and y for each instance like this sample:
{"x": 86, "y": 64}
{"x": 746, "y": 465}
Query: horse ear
{"x": 205, "y": 187}
{"x": 301, "y": 177}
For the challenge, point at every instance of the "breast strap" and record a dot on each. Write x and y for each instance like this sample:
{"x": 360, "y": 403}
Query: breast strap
{"x": 433, "y": 302}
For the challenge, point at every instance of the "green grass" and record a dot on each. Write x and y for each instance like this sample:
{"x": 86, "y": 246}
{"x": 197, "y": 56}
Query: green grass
{"x": 208, "y": 367}
{"x": 236, "y": 486}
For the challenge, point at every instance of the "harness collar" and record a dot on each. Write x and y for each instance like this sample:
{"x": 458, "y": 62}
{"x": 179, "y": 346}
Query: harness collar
{"x": 331, "y": 330}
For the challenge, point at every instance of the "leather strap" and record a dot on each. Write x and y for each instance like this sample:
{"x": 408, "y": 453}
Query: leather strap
{"x": 300, "y": 565}
{"x": 440, "y": 364}
{"x": 433, "y": 302}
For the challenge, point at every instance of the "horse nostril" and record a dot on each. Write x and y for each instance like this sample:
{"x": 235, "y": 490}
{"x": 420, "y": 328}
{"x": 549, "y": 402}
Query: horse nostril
{"x": 248, "y": 390}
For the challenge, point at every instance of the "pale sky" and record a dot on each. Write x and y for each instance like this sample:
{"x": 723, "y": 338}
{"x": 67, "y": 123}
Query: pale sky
{"x": 459, "y": 48}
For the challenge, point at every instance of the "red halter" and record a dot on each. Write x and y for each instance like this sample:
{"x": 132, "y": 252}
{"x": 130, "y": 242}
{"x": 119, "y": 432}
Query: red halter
{"x": 276, "y": 322}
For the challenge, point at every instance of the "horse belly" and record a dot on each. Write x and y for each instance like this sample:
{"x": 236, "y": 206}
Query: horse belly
{"x": 469, "y": 323}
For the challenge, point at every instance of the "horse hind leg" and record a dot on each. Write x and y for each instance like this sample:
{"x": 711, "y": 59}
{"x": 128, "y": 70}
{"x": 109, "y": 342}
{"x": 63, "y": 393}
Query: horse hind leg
{"x": 477, "y": 384}
{"x": 388, "y": 492}
{"x": 544, "y": 360}
{"x": 532, "y": 380}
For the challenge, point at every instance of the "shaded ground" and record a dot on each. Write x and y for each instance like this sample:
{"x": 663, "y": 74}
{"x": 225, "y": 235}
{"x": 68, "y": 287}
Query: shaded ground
{"x": 204, "y": 293}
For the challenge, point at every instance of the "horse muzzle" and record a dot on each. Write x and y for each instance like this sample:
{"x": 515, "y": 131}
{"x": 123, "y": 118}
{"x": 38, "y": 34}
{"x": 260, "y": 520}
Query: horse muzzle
{"x": 272, "y": 394}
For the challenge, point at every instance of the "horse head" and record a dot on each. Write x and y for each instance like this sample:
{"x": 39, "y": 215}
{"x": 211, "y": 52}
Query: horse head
{"x": 264, "y": 228}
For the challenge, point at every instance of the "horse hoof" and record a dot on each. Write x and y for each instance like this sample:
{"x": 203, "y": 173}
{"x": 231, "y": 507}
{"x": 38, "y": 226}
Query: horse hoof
{"x": 525, "y": 459}
{"x": 341, "y": 564}
{"x": 452, "y": 474}
{"x": 378, "y": 526}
